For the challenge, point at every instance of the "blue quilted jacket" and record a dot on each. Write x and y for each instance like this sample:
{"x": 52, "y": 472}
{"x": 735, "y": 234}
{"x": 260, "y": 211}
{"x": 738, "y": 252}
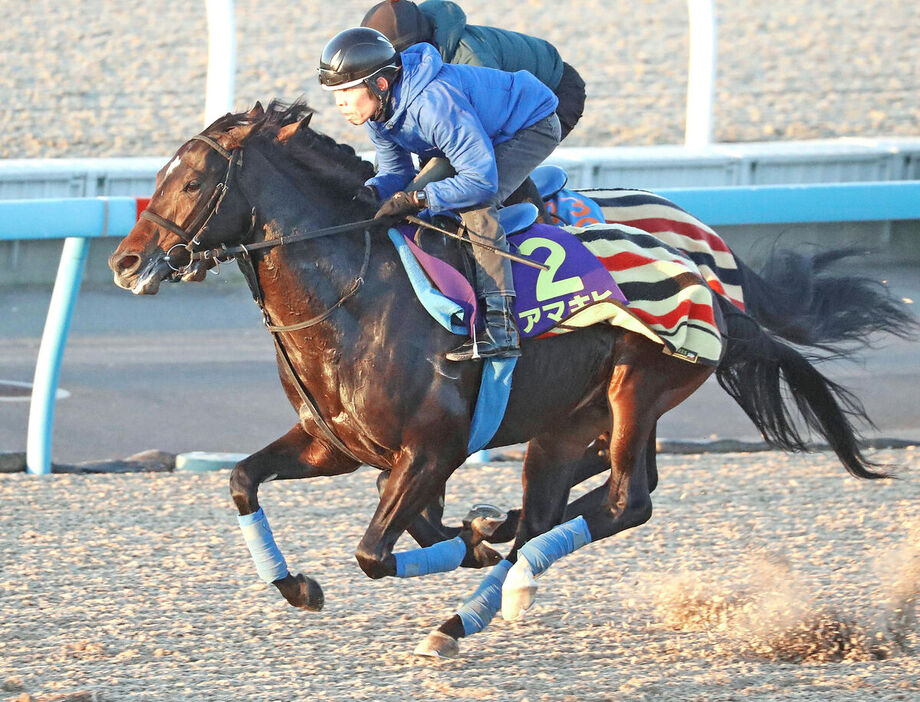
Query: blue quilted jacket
{"x": 458, "y": 112}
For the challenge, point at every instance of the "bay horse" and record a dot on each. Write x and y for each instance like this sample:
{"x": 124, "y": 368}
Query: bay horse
{"x": 363, "y": 365}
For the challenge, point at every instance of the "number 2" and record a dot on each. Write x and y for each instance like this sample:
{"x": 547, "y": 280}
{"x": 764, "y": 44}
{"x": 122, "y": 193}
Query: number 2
{"x": 548, "y": 287}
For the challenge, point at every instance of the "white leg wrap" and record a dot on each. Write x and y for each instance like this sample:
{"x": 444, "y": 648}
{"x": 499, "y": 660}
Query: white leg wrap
{"x": 518, "y": 590}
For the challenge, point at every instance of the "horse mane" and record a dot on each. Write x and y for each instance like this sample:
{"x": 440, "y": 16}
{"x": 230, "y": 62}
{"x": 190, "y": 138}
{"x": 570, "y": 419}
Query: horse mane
{"x": 325, "y": 159}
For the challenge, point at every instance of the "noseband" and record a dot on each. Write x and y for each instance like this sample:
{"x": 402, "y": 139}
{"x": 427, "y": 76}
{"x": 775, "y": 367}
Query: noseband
{"x": 191, "y": 232}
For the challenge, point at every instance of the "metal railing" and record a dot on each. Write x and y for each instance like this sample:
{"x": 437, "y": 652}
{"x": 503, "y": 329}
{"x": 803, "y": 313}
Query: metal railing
{"x": 77, "y": 220}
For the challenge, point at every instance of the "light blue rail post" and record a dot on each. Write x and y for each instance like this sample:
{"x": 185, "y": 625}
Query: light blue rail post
{"x": 51, "y": 352}
{"x": 75, "y": 220}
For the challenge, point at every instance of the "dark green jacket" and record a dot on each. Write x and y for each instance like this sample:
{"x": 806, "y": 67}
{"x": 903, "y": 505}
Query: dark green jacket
{"x": 503, "y": 49}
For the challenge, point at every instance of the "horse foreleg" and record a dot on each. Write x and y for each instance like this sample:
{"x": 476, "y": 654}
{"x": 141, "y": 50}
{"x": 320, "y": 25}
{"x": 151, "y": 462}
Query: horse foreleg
{"x": 428, "y": 529}
{"x": 294, "y": 455}
{"x": 412, "y": 485}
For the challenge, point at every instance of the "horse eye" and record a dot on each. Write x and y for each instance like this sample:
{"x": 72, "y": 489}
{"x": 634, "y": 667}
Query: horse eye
{"x": 193, "y": 186}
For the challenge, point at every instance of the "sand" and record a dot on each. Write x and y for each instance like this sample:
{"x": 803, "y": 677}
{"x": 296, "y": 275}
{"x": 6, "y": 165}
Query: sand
{"x": 760, "y": 576}
{"x": 102, "y": 78}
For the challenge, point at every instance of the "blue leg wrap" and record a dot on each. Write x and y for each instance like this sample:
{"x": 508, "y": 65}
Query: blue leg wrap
{"x": 544, "y": 550}
{"x": 477, "y": 612}
{"x": 440, "y": 558}
{"x": 258, "y": 534}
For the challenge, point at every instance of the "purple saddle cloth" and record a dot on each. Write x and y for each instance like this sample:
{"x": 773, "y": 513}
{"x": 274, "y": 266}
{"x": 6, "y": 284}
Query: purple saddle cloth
{"x": 575, "y": 279}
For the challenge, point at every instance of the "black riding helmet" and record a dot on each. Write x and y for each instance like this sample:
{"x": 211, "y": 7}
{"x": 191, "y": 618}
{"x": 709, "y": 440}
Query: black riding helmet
{"x": 358, "y": 55}
{"x": 401, "y": 22}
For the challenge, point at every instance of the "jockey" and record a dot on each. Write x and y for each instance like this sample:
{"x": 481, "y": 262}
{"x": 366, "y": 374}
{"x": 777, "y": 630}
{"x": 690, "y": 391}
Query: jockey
{"x": 492, "y": 127}
{"x": 443, "y": 24}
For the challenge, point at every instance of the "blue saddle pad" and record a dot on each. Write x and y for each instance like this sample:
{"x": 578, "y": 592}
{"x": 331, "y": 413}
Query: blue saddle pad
{"x": 458, "y": 317}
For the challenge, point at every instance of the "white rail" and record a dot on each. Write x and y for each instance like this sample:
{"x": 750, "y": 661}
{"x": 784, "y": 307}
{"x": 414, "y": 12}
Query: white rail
{"x": 701, "y": 72}
{"x": 221, "y": 59}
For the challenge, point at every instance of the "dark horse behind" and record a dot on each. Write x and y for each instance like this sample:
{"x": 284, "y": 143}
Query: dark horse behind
{"x": 363, "y": 365}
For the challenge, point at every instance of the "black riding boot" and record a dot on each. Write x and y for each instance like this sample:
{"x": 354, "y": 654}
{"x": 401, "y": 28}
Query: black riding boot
{"x": 500, "y": 337}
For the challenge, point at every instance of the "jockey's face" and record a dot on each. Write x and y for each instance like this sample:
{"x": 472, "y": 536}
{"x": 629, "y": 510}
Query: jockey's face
{"x": 358, "y": 104}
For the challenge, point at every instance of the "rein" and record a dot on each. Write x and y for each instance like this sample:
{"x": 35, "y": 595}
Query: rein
{"x": 190, "y": 235}
{"x": 245, "y": 249}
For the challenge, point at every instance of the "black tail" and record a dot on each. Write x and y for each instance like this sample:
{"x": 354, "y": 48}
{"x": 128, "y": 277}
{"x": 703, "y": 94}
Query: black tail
{"x": 769, "y": 378}
{"x": 795, "y": 297}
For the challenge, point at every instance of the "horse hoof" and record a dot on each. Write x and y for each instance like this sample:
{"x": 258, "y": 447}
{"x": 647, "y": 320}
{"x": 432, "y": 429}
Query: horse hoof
{"x": 438, "y": 645}
{"x": 302, "y": 592}
{"x": 484, "y": 519}
{"x": 518, "y": 590}
{"x": 481, "y": 556}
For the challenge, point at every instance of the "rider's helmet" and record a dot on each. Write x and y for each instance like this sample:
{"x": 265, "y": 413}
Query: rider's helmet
{"x": 401, "y": 22}
{"x": 359, "y": 55}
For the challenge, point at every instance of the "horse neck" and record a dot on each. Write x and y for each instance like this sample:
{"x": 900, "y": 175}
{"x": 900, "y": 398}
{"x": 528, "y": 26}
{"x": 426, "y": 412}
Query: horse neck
{"x": 301, "y": 281}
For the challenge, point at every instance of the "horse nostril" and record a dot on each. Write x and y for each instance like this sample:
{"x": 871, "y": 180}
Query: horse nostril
{"x": 126, "y": 263}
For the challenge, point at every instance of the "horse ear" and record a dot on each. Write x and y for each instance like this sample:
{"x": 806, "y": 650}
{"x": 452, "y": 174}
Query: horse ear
{"x": 256, "y": 111}
{"x": 287, "y": 131}
{"x": 238, "y": 135}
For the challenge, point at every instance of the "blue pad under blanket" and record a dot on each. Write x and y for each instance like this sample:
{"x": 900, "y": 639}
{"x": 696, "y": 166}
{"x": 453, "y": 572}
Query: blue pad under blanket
{"x": 495, "y": 386}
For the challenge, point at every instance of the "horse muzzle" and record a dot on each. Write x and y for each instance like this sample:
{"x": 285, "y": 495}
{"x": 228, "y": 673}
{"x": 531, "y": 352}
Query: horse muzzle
{"x": 141, "y": 275}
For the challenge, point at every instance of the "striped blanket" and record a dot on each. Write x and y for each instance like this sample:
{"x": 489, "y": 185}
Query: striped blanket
{"x": 666, "y": 263}
{"x": 669, "y": 301}
{"x": 653, "y": 214}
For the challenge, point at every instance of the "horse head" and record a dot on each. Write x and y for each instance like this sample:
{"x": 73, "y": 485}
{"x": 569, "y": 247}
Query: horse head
{"x": 207, "y": 195}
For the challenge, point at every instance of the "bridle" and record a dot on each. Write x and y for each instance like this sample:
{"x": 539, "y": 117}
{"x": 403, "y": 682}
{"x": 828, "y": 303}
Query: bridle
{"x": 191, "y": 232}
{"x": 199, "y": 220}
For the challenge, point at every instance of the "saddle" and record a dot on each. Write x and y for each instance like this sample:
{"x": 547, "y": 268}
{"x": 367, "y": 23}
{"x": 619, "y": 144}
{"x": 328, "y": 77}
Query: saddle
{"x": 607, "y": 273}
{"x": 598, "y": 274}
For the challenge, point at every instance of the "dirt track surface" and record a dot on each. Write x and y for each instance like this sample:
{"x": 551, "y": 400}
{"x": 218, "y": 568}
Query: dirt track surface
{"x": 127, "y": 77}
{"x": 760, "y": 576}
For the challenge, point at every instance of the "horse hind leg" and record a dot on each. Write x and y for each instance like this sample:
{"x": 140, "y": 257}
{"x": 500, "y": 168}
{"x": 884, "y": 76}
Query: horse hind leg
{"x": 639, "y": 394}
{"x": 594, "y": 460}
{"x": 294, "y": 455}
{"x": 645, "y": 384}
{"x": 552, "y": 462}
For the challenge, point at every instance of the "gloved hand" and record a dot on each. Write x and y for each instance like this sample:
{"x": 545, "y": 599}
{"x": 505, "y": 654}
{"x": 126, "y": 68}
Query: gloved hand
{"x": 401, "y": 204}
{"x": 367, "y": 193}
